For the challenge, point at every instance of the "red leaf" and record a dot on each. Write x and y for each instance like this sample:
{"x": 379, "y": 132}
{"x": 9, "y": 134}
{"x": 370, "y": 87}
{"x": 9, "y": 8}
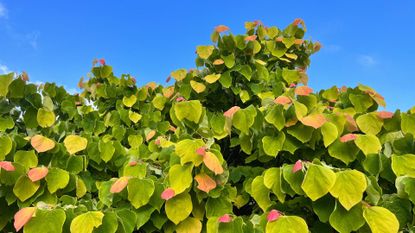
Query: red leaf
{"x": 119, "y": 184}
{"x": 221, "y": 28}
{"x": 102, "y": 61}
{"x": 297, "y": 21}
{"x": 314, "y": 120}
{"x": 225, "y": 218}
{"x": 205, "y": 183}
{"x": 348, "y": 137}
{"x": 180, "y": 99}
{"x": 201, "y": 151}
{"x": 385, "y": 114}
{"x": 150, "y": 135}
{"x": 283, "y": 100}
{"x": 22, "y": 217}
{"x": 250, "y": 38}
{"x": 273, "y": 215}
{"x": 303, "y": 90}
{"x": 37, "y": 173}
{"x": 231, "y": 111}
{"x": 8, "y": 166}
{"x": 297, "y": 166}
{"x": 167, "y": 194}
{"x": 132, "y": 163}
{"x": 212, "y": 162}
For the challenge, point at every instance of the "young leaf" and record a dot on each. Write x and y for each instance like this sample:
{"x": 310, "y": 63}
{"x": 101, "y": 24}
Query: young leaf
{"x": 41, "y": 143}
{"x": 23, "y": 216}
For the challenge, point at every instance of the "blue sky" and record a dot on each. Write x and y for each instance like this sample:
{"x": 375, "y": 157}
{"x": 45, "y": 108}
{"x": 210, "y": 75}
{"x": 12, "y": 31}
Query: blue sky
{"x": 369, "y": 42}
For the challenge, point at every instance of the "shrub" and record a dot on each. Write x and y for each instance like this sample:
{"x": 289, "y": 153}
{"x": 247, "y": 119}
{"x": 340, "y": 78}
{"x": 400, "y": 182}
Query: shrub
{"x": 240, "y": 144}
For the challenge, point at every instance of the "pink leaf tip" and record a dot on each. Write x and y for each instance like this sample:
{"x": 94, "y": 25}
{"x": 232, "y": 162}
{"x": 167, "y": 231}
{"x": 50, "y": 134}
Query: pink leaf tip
{"x": 8, "y": 166}
{"x": 385, "y": 114}
{"x": 167, "y": 194}
{"x": 179, "y": 99}
{"x": 231, "y": 111}
{"x": 201, "y": 151}
{"x": 273, "y": 215}
{"x": 132, "y": 163}
{"x": 225, "y": 218}
{"x": 348, "y": 137}
{"x": 297, "y": 166}
{"x": 102, "y": 61}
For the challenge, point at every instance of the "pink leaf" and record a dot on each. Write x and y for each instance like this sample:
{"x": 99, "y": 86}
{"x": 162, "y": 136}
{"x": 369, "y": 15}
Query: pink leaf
{"x": 22, "y": 217}
{"x": 303, "y": 90}
{"x": 221, "y": 28}
{"x": 297, "y": 21}
{"x": 385, "y": 114}
{"x": 348, "y": 137}
{"x": 8, "y": 166}
{"x": 292, "y": 85}
{"x": 250, "y": 38}
{"x": 225, "y": 218}
{"x": 273, "y": 215}
{"x": 179, "y": 99}
{"x": 231, "y": 111}
{"x": 297, "y": 166}
{"x": 167, "y": 194}
{"x": 37, "y": 173}
{"x": 201, "y": 151}
{"x": 283, "y": 100}
{"x": 132, "y": 163}
{"x": 119, "y": 184}
{"x": 102, "y": 61}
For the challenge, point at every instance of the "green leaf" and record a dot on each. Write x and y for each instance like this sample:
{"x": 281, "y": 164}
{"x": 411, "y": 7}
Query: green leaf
{"x": 25, "y": 188}
{"x": 346, "y": 221}
{"x": 179, "y": 74}
{"x": 6, "y": 145}
{"x": 323, "y": 207}
{"x": 216, "y": 207}
{"x": 244, "y": 119}
{"x": 129, "y": 101}
{"x": 380, "y": 220}
{"x": 290, "y": 76}
{"x": 197, "y": 87}
{"x": 212, "y": 78}
{"x": 57, "y": 179}
{"x": 408, "y": 123}
{"x": 5, "y": 80}
{"x": 179, "y": 207}
{"x": 204, "y": 52}
{"x": 180, "y": 177}
{"x": 46, "y": 221}
{"x": 349, "y": 187}
{"x": 369, "y": 123}
{"x": 127, "y": 220}
{"x": 329, "y": 132}
{"x": 189, "y": 225}
{"x": 159, "y": 101}
{"x": 85, "y": 223}
{"x": 404, "y": 165}
{"x": 189, "y": 110}
{"x": 346, "y": 152}
{"x": 106, "y": 71}
{"x": 301, "y": 132}
{"x": 140, "y": 191}
{"x": 260, "y": 193}
{"x": 361, "y": 102}
{"x": 27, "y": 158}
{"x": 107, "y": 150}
{"x": 186, "y": 150}
{"x": 272, "y": 180}
{"x": 6, "y": 123}
{"x": 369, "y": 144}
{"x": 318, "y": 181}
{"x": 75, "y": 143}
{"x": 295, "y": 180}
{"x": 45, "y": 118}
{"x": 287, "y": 224}
{"x": 272, "y": 145}
{"x": 109, "y": 223}
{"x": 276, "y": 117}
{"x": 229, "y": 60}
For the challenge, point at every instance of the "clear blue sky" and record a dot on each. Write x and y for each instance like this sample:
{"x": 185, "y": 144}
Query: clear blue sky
{"x": 369, "y": 42}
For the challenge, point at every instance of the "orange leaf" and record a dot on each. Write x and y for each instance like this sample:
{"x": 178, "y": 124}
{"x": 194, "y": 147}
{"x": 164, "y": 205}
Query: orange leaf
{"x": 221, "y": 28}
{"x": 297, "y": 21}
{"x": 348, "y": 137}
{"x": 22, "y": 217}
{"x": 42, "y": 144}
{"x": 205, "y": 183}
{"x": 167, "y": 194}
{"x": 303, "y": 90}
{"x": 24, "y": 76}
{"x": 231, "y": 111}
{"x": 218, "y": 62}
{"x": 119, "y": 184}
{"x": 351, "y": 123}
{"x": 172, "y": 128}
{"x": 168, "y": 92}
{"x": 283, "y": 100}
{"x": 8, "y": 166}
{"x": 314, "y": 120}
{"x": 279, "y": 39}
{"x": 212, "y": 162}
{"x": 385, "y": 114}
{"x": 250, "y": 38}
{"x": 150, "y": 135}
{"x": 298, "y": 41}
{"x": 317, "y": 46}
{"x": 151, "y": 85}
{"x": 37, "y": 173}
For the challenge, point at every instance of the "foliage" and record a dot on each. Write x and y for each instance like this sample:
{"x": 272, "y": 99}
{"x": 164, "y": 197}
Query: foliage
{"x": 240, "y": 144}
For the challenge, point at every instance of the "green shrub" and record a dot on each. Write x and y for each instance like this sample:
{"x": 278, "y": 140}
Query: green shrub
{"x": 240, "y": 144}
